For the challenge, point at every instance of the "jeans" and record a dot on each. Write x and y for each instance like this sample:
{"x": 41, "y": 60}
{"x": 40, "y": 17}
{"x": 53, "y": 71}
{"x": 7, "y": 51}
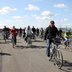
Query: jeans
{"x": 49, "y": 41}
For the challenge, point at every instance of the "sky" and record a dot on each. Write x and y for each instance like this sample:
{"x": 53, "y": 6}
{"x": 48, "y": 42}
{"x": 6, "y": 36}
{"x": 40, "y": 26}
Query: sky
{"x": 37, "y": 13}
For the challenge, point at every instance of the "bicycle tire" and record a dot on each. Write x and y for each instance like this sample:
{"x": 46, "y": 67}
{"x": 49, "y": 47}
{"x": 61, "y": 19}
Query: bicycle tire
{"x": 59, "y": 59}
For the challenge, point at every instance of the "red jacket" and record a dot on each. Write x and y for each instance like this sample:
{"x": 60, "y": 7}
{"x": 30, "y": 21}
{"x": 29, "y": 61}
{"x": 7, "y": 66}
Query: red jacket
{"x": 14, "y": 32}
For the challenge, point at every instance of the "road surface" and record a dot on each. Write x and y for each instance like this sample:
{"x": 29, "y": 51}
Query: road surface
{"x": 27, "y": 59}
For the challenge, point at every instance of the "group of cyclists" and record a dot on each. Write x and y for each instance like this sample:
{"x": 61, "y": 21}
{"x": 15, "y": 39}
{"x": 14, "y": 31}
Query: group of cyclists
{"x": 29, "y": 33}
{"x": 26, "y": 33}
{"x": 6, "y": 32}
{"x": 50, "y": 35}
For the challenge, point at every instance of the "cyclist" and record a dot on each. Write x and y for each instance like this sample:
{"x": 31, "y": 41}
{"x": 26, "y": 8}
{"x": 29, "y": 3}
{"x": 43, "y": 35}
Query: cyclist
{"x": 29, "y": 34}
{"x": 4, "y": 33}
{"x": 24, "y": 32}
{"x": 66, "y": 40}
{"x": 41, "y": 33}
{"x": 14, "y": 35}
{"x": 37, "y": 32}
{"x": 50, "y": 33}
{"x": 34, "y": 32}
{"x": 20, "y": 32}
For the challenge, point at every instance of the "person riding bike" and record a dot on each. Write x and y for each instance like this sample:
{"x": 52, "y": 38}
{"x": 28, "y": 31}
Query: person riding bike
{"x": 37, "y": 32}
{"x": 4, "y": 33}
{"x": 50, "y": 33}
{"x": 24, "y": 32}
{"x": 20, "y": 32}
{"x": 28, "y": 35}
{"x": 14, "y": 35}
{"x": 41, "y": 33}
{"x": 34, "y": 32}
{"x": 66, "y": 40}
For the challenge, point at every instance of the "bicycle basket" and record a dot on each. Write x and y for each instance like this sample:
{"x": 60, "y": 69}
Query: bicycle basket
{"x": 57, "y": 40}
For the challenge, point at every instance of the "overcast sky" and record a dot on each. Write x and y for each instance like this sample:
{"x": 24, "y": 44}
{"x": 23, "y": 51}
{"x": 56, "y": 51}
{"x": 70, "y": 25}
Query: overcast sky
{"x": 38, "y": 13}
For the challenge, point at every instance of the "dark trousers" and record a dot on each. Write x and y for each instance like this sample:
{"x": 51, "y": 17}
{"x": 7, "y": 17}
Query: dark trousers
{"x": 14, "y": 39}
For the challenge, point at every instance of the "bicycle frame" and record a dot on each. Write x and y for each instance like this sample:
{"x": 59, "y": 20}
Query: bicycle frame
{"x": 56, "y": 56}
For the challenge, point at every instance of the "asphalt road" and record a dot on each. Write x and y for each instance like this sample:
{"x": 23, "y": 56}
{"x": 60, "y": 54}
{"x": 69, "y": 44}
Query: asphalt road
{"x": 27, "y": 59}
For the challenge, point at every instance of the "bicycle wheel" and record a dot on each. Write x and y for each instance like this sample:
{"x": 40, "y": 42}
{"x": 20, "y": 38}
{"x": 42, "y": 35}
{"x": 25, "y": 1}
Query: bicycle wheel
{"x": 59, "y": 59}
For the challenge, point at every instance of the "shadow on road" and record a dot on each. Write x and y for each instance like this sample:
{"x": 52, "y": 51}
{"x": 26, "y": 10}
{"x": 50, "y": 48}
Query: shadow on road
{"x": 32, "y": 46}
{"x": 67, "y": 66}
{"x": 1, "y": 54}
{"x": 37, "y": 41}
{"x": 7, "y": 42}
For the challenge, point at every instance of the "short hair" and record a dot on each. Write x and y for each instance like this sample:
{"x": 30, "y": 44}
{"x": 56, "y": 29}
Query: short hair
{"x": 52, "y": 22}
{"x": 4, "y": 26}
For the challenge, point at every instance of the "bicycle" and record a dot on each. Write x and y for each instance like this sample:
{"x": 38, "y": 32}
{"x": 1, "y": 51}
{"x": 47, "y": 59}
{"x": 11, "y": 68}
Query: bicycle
{"x": 67, "y": 43}
{"x": 28, "y": 40}
{"x": 56, "y": 55}
{"x": 41, "y": 36}
{"x": 33, "y": 36}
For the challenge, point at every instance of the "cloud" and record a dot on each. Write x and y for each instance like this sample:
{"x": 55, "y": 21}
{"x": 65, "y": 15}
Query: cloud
{"x": 7, "y": 20}
{"x": 32, "y": 7}
{"x": 42, "y": 18}
{"x": 18, "y": 18}
{"x": 61, "y": 5}
{"x": 65, "y": 19}
{"x": 34, "y": 15}
{"x": 7, "y": 10}
{"x": 45, "y": 15}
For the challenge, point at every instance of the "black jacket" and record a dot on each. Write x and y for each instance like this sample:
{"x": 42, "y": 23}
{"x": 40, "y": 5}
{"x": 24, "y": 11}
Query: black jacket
{"x": 50, "y": 32}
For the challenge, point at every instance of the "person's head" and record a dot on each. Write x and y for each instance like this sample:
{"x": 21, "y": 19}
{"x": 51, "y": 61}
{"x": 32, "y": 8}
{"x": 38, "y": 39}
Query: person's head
{"x": 13, "y": 27}
{"x": 28, "y": 27}
{"x": 52, "y": 23}
{"x": 4, "y": 26}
